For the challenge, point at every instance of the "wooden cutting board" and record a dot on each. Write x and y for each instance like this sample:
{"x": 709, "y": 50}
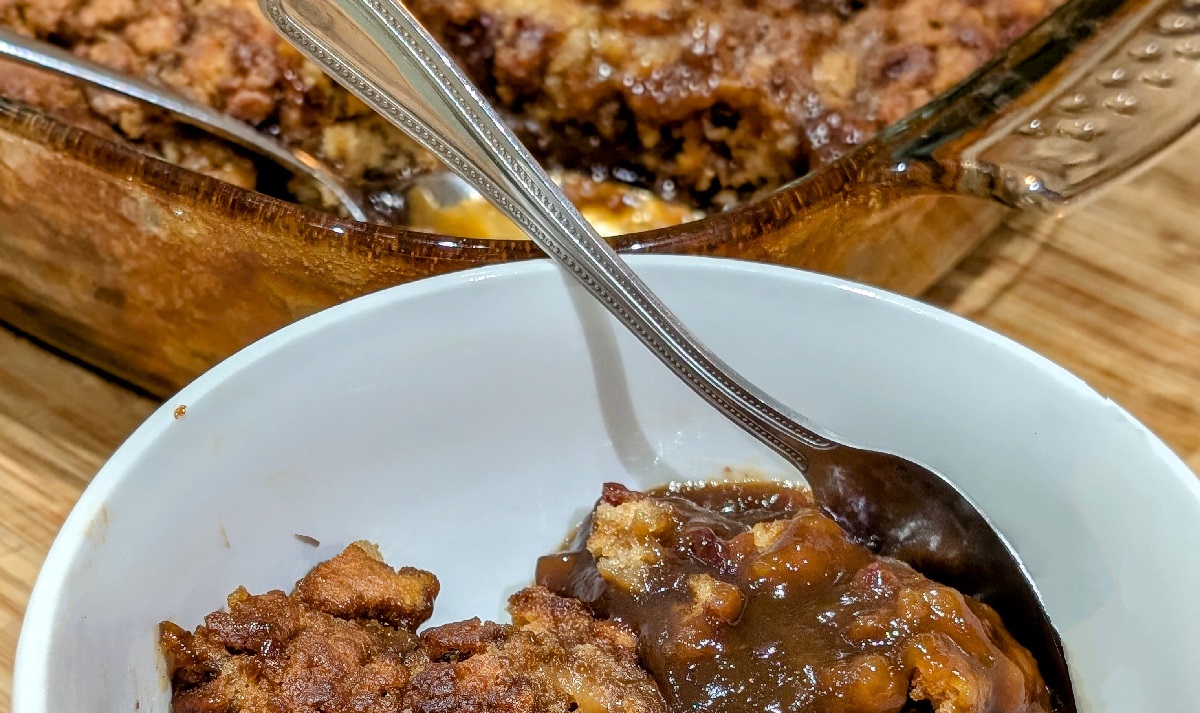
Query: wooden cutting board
{"x": 1111, "y": 292}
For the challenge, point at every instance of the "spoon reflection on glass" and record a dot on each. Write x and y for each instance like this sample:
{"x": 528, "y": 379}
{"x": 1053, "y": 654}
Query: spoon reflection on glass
{"x": 381, "y": 53}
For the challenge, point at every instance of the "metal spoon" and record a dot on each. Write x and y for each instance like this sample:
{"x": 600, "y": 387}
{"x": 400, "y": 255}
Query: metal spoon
{"x": 46, "y": 56}
{"x": 379, "y": 51}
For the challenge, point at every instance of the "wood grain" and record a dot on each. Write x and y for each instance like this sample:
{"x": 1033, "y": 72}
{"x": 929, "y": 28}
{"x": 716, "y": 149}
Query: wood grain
{"x": 58, "y": 423}
{"x": 1111, "y": 292}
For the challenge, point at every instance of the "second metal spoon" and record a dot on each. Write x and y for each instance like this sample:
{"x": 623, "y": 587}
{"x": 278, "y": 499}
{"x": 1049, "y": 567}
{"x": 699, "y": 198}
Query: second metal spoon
{"x": 54, "y": 59}
{"x": 378, "y": 51}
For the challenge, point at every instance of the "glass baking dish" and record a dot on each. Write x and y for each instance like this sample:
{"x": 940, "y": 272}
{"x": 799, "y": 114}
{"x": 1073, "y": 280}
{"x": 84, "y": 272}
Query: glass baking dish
{"x": 154, "y": 273}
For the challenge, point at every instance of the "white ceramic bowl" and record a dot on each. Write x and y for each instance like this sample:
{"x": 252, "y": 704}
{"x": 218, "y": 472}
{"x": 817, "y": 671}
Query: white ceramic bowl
{"x": 465, "y": 422}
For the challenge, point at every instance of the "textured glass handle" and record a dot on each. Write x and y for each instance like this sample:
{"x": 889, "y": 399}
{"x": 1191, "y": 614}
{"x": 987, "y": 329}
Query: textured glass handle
{"x": 378, "y": 51}
{"x": 1109, "y": 86}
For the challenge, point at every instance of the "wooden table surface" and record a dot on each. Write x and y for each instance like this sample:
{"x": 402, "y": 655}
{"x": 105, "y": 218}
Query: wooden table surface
{"x": 1111, "y": 292}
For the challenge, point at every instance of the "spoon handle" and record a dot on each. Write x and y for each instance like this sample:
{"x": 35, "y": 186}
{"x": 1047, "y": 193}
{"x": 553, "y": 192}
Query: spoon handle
{"x": 382, "y": 54}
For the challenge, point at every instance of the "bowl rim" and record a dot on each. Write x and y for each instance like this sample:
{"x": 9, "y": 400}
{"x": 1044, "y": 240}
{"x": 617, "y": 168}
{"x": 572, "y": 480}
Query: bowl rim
{"x": 30, "y": 672}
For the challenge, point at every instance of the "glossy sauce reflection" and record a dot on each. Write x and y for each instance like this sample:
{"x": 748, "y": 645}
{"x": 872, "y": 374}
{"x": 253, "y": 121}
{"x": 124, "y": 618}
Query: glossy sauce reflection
{"x": 746, "y": 598}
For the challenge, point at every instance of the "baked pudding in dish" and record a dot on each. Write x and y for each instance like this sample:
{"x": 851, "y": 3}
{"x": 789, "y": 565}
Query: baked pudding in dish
{"x": 133, "y": 263}
{"x": 651, "y": 112}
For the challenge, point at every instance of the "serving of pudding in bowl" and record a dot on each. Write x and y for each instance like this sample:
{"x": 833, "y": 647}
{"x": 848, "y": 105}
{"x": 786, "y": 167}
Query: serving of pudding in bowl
{"x": 726, "y": 596}
{"x": 464, "y": 425}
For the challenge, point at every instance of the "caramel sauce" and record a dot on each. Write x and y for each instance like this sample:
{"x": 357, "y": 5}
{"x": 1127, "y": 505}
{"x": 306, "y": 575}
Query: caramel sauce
{"x": 746, "y": 598}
